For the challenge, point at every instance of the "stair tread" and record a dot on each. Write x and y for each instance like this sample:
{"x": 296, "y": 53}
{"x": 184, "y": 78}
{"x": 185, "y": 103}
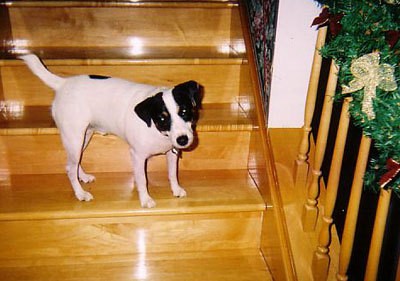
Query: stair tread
{"x": 16, "y": 119}
{"x": 50, "y": 196}
{"x": 228, "y": 53}
{"x": 122, "y": 3}
{"x": 233, "y": 265}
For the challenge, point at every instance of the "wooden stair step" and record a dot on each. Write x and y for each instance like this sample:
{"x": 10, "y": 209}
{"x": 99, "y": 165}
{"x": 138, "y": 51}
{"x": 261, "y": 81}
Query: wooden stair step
{"x": 224, "y": 53}
{"x": 123, "y": 3}
{"x": 44, "y": 154}
{"x": 91, "y": 23}
{"x": 221, "y": 78}
{"x": 30, "y": 143}
{"x": 16, "y": 119}
{"x": 223, "y": 211}
{"x": 235, "y": 265}
{"x": 24, "y": 197}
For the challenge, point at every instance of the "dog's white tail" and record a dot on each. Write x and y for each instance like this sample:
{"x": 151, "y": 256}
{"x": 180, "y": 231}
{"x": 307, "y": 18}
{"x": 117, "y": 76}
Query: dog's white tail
{"x": 37, "y": 67}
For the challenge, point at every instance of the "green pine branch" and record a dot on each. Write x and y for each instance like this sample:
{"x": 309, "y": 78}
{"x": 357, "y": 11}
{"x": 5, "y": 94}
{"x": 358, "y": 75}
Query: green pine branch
{"x": 365, "y": 27}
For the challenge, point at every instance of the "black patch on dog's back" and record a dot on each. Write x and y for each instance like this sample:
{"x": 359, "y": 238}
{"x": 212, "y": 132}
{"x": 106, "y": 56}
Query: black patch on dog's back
{"x": 98, "y": 77}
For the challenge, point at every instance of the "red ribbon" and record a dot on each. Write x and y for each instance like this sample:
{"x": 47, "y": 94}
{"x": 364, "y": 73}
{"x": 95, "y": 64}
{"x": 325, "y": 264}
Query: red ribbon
{"x": 333, "y": 20}
{"x": 392, "y": 36}
{"x": 393, "y": 168}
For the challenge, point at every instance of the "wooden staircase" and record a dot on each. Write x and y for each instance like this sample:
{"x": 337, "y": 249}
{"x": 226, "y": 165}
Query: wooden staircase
{"x": 221, "y": 231}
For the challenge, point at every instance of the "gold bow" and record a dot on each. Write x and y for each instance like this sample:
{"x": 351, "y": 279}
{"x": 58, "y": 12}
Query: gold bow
{"x": 393, "y": 2}
{"x": 369, "y": 75}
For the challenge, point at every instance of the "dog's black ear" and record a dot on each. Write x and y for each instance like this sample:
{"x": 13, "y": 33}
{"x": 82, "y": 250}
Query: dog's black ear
{"x": 143, "y": 110}
{"x": 194, "y": 89}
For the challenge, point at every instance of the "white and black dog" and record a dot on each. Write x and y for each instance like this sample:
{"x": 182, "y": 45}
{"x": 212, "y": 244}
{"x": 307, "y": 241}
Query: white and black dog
{"x": 152, "y": 120}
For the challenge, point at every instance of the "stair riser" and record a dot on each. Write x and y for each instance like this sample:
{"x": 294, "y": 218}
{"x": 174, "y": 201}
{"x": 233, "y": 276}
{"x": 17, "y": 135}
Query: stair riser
{"x": 220, "y": 82}
{"x": 44, "y": 154}
{"x": 101, "y": 27}
{"x": 129, "y": 235}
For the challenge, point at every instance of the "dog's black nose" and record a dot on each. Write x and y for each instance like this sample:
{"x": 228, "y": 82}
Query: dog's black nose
{"x": 182, "y": 140}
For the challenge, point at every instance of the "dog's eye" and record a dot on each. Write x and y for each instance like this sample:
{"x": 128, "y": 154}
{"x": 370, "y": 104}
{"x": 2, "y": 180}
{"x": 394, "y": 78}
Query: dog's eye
{"x": 185, "y": 114}
{"x": 182, "y": 112}
{"x": 163, "y": 121}
{"x": 163, "y": 117}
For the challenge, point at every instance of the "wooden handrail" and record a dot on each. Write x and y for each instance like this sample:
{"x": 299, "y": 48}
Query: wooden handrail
{"x": 301, "y": 165}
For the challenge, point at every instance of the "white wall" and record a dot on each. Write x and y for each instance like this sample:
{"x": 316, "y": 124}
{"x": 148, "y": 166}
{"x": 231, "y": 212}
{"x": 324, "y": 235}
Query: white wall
{"x": 294, "y": 50}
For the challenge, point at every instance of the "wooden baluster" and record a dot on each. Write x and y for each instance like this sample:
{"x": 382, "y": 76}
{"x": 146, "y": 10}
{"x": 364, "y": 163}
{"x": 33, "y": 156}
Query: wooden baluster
{"x": 310, "y": 209}
{"x": 321, "y": 259}
{"x": 301, "y": 165}
{"x": 377, "y": 235}
{"x": 349, "y": 230}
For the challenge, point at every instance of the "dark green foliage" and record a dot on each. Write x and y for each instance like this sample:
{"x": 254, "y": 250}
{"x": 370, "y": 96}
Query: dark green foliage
{"x": 370, "y": 26}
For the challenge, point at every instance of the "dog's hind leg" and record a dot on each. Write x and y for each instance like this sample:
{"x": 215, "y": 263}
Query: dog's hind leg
{"x": 73, "y": 144}
{"x": 82, "y": 175}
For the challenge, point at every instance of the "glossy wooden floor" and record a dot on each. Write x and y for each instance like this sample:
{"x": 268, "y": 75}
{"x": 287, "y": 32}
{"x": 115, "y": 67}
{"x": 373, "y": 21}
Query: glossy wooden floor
{"x": 17, "y": 119}
{"x": 50, "y": 196}
{"x": 285, "y": 144}
{"x": 239, "y": 265}
{"x": 45, "y": 205}
{"x": 218, "y": 232}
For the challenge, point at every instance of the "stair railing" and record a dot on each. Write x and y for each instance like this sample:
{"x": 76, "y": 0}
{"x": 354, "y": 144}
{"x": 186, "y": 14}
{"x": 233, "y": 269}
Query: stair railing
{"x": 321, "y": 259}
{"x": 349, "y": 230}
{"x": 301, "y": 164}
{"x": 377, "y": 235}
{"x": 310, "y": 208}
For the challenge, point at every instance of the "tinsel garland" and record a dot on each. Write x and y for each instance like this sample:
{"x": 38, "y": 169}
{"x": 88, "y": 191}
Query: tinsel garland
{"x": 368, "y": 27}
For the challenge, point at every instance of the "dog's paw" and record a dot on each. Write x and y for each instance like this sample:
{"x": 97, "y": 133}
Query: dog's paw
{"x": 179, "y": 192}
{"x": 84, "y": 196}
{"x": 86, "y": 178}
{"x": 147, "y": 202}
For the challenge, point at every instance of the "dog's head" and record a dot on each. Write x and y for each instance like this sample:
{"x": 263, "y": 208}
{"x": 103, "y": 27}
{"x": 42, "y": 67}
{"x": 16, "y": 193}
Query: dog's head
{"x": 173, "y": 112}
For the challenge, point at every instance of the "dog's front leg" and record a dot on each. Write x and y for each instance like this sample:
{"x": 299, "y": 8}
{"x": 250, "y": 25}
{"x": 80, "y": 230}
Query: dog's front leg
{"x": 139, "y": 171}
{"x": 172, "y": 159}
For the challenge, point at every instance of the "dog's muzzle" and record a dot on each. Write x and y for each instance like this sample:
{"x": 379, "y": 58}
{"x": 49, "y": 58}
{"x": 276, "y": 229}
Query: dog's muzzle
{"x": 180, "y": 142}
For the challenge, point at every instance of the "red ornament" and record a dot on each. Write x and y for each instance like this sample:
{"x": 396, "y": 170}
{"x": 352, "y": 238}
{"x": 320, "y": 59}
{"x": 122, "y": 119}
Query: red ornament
{"x": 393, "y": 168}
{"x": 392, "y": 36}
{"x": 327, "y": 19}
